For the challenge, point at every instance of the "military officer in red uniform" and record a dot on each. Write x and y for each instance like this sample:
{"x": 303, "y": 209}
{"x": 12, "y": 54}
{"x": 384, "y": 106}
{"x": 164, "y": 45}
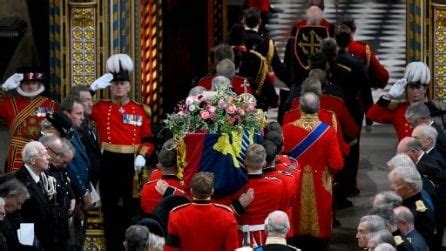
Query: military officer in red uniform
{"x": 269, "y": 195}
{"x": 314, "y": 145}
{"x": 124, "y": 132}
{"x": 378, "y": 75}
{"x": 24, "y": 112}
{"x": 150, "y": 196}
{"x": 202, "y": 225}
{"x": 391, "y": 107}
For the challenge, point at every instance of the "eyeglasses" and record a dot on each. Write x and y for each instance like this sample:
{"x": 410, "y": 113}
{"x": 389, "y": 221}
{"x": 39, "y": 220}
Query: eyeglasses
{"x": 57, "y": 154}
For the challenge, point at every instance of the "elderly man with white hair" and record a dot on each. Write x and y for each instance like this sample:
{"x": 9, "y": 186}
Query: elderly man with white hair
{"x": 427, "y": 135}
{"x": 391, "y": 107}
{"x": 368, "y": 224}
{"x": 407, "y": 183}
{"x": 277, "y": 226}
{"x": 387, "y": 199}
{"x": 38, "y": 208}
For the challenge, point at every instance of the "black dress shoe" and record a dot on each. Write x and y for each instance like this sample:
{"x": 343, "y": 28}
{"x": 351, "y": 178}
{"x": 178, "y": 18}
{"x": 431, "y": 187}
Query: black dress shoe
{"x": 342, "y": 204}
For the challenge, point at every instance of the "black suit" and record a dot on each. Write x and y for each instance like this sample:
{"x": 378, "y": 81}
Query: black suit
{"x": 8, "y": 230}
{"x": 90, "y": 141}
{"x": 404, "y": 245}
{"x": 38, "y": 210}
{"x": 438, "y": 157}
{"x": 441, "y": 139}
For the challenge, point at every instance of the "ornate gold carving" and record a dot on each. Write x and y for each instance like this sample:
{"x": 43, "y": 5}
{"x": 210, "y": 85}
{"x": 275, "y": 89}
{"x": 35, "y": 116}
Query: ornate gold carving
{"x": 308, "y": 215}
{"x": 83, "y": 43}
{"x": 439, "y": 51}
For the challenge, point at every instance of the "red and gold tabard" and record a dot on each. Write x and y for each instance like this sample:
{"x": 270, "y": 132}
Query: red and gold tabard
{"x": 201, "y": 226}
{"x": 378, "y": 75}
{"x": 388, "y": 112}
{"x": 313, "y": 209}
{"x": 122, "y": 128}
{"x": 23, "y": 116}
{"x": 325, "y": 116}
{"x": 150, "y": 197}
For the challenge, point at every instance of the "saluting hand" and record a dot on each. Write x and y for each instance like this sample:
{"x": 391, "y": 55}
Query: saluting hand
{"x": 12, "y": 82}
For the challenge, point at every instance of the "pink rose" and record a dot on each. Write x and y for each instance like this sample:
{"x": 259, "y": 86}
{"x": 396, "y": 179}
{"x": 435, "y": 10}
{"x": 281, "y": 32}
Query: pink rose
{"x": 181, "y": 113}
{"x": 222, "y": 104}
{"x": 232, "y": 120}
{"x": 241, "y": 112}
{"x": 212, "y": 109}
{"x": 251, "y": 107}
{"x": 231, "y": 109}
{"x": 205, "y": 115}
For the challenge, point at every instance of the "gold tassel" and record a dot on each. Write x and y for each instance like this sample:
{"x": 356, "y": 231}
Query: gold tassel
{"x": 135, "y": 185}
{"x": 145, "y": 176}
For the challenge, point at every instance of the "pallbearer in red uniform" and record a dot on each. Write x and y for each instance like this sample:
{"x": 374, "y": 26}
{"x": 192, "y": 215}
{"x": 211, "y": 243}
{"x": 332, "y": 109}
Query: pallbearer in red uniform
{"x": 202, "y": 225}
{"x": 150, "y": 196}
{"x": 269, "y": 195}
{"x": 24, "y": 112}
{"x": 124, "y": 130}
{"x": 313, "y": 143}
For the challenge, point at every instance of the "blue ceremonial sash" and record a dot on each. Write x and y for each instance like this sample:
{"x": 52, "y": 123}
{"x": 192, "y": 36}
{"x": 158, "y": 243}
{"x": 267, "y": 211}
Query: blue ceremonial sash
{"x": 309, "y": 140}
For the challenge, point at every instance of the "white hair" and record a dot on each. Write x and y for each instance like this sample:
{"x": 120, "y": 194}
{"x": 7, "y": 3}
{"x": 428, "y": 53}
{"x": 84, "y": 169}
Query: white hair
{"x": 119, "y": 60}
{"x": 428, "y": 131}
{"x": 401, "y": 159}
{"x": 385, "y": 247}
{"x": 314, "y": 15}
{"x": 220, "y": 83}
{"x": 375, "y": 223}
{"x": 387, "y": 199}
{"x": 30, "y": 151}
{"x": 156, "y": 243}
{"x": 225, "y": 68}
{"x": 408, "y": 175}
{"x": 417, "y": 72}
{"x": 277, "y": 223}
{"x": 196, "y": 90}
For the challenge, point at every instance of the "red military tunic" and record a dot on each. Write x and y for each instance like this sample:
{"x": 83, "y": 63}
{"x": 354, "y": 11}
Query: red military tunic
{"x": 239, "y": 84}
{"x": 290, "y": 185}
{"x": 325, "y": 116}
{"x": 262, "y": 5}
{"x": 385, "y": 111}
{"x": 269, "y": 195}
{"x": 337, "y": 106}
{"x": 378, "y": 75}
{"x": 202, "y": 226}
{"x": 314, "y": 207}
{"x": 122, "y": 128}
{"x": 23, "y": 116}
{"x": 150, "y": 198}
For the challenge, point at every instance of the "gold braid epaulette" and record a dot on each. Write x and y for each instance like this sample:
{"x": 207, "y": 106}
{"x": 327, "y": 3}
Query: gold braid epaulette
{"x": 261, "y": 74}
{"x": 270, "y": 54}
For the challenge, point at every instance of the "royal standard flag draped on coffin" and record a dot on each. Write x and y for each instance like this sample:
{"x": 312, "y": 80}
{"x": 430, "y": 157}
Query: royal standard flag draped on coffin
{"x": 220, "y": 153}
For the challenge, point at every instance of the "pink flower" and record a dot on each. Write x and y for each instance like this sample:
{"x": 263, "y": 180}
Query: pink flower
{"x": 205, "y": 115}
{"x": 231, "y": 109}
{"x": 211, "y": 109}
{"x": 190, "y": 100}
{"x": 222, "y": 104}
{"x": 251, "y": 107}
{"x": 200, "y": 97}
{"x": 241, "y": 112}
{"x": 232, "y": 120}
{"x": 181, "y": 113}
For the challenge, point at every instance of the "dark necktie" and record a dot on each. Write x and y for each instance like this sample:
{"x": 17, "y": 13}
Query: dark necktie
{"x": 41, "y": 186}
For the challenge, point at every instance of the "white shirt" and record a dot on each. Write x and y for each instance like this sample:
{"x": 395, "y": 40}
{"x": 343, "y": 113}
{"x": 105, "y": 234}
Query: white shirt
{"x": 419, "y": 157}
{"x": 35, "y": 176}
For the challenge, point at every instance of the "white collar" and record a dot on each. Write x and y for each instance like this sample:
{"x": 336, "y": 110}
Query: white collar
{"x": 275, "y": 240}
{"x": 256, "y": 29}
{"x": 35, "y": 176}
{"x": 419, "y": 157}
{"x": 430, "y": 149}
{"x": 31, "y": 94}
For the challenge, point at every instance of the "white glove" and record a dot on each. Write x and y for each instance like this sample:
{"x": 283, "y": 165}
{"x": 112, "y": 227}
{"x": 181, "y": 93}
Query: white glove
{"x": 12, "y": 82}
{"x": 102, "y": 82}
{"x": 398, "y": 89}
{"x": 140, "y": 162}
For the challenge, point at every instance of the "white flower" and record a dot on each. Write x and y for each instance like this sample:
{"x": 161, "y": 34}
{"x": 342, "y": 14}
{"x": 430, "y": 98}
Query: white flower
{"x": 192, "y": 108}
